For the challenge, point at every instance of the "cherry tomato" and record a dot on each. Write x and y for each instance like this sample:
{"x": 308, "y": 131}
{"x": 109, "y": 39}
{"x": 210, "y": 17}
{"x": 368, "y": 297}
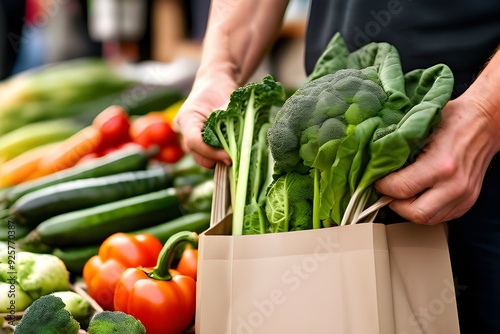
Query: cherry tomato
{"x": 170, "y": 154}
{"x": 152, "y": 129}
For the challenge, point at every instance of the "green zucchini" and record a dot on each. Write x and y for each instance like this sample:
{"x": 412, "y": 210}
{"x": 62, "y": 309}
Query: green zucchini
{"x": 42, "y": 204}
{"x": 93, "y": 225}
{"x": 4, "y": 213}
{"x": 75, "y": 257}
{"x": 10, "y": 230}
{"x": 127, "y": 159}
{"x": 195, "y": 222}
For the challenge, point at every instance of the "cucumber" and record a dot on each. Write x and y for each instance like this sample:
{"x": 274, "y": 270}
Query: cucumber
{"x": 10, "y": 230}
{"x": 93, "y": 225}
{"x": 194, "y": 222}
{"x": 42, "y": 204}
{"x": 75, "y": 257}
{"x": 127, "y": 159}
{"x": 4, "y": 213}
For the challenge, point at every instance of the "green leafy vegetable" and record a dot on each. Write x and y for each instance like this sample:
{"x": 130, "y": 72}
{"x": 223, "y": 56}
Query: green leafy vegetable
{"x": 289, "y": 203}
{"x": 37, "y": 274}
{"x": 357, "y": 119}
{"x": 14, "y": 299}
{"x": 240, "y": 130}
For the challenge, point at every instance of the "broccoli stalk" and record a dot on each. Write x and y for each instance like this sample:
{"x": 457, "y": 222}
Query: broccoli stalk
{"x": 240, "y": 200}
{"x": 255, "y": 221}
{"x": 316, "y": 220}
{"x": 236, "y": 130}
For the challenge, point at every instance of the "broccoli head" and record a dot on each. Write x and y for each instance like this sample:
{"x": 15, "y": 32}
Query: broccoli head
{"x": 47, "y": 315}
{"x": 323, "y": 110}
{"x": 109, "y": 322}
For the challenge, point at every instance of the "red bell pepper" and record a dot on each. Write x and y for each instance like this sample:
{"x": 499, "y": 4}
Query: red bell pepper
{"x": 161, "y": 298}
{"x": 117, "y": 253}
{"x": 188, "y": 263}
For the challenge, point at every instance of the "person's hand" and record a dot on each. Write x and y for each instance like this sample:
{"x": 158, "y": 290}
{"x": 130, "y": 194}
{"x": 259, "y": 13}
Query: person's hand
{"x": 445, "y": 180}
{"x": 209, "y": 93}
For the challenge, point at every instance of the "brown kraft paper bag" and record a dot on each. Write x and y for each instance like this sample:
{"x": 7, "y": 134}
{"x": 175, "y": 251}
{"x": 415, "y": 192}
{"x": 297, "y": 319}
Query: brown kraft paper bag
{"x": 363, "y": 278}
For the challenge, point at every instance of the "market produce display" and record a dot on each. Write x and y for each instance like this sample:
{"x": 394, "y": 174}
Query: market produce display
{"x": 79, "y": 167}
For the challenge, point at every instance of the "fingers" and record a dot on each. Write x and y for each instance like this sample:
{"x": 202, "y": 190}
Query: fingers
{"x": 427, "y": 208}
{"x": 205, "y": 155}
{"x": 409, "y": 181}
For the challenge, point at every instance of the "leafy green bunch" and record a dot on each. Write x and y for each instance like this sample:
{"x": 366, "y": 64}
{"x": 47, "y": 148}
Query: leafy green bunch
{"x": 241, "y": 130}
{"x": 358, "y": 118}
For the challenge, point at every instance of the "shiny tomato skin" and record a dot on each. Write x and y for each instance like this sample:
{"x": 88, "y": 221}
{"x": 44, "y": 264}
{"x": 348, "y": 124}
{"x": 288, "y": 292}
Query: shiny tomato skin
{"x": 152, "y": 129}
{"x": 170, "y": 154}
{"x": 114, "y": 125}
{"x": 118, "y": 252}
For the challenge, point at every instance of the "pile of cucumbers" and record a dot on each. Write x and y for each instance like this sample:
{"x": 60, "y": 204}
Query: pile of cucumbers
{"x": 71, "y": 212}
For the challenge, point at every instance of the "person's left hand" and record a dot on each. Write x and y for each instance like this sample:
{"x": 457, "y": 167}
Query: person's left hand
{"x": 445, "y": 180}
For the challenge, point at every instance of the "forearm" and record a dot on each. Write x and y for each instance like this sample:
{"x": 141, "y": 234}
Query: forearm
{"x": 484, "y": 93}
{"x": 238, "y": 35}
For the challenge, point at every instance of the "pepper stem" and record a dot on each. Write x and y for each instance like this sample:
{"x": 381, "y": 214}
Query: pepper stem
{"x": 162, "y": 269}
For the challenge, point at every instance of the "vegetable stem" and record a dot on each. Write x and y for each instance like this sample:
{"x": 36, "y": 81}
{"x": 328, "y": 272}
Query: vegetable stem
{"x": 162, "y": 269}
{"x": 316, "y": 199}
{"x": 244, "y": 167}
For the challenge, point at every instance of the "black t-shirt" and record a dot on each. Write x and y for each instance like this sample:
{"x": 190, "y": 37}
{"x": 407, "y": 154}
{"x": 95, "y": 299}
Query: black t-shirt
{"x": 461, "y": 33}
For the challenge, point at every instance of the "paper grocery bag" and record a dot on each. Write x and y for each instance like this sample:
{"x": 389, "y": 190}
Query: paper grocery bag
{"x": 365, "y": 278}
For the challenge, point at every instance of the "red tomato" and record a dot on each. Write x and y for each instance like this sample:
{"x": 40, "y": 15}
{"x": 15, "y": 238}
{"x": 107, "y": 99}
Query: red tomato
{"x": 114, "y": 124}
{"x": 152, "y": 129}
{"x": 170, "y": 154}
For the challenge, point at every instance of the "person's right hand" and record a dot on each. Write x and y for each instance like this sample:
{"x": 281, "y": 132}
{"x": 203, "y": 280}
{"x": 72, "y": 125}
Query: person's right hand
{"x": 209, "y": 93}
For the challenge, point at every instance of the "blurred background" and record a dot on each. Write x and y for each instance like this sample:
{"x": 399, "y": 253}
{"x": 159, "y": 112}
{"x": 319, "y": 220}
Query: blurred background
{"x": 132, "y": 36}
